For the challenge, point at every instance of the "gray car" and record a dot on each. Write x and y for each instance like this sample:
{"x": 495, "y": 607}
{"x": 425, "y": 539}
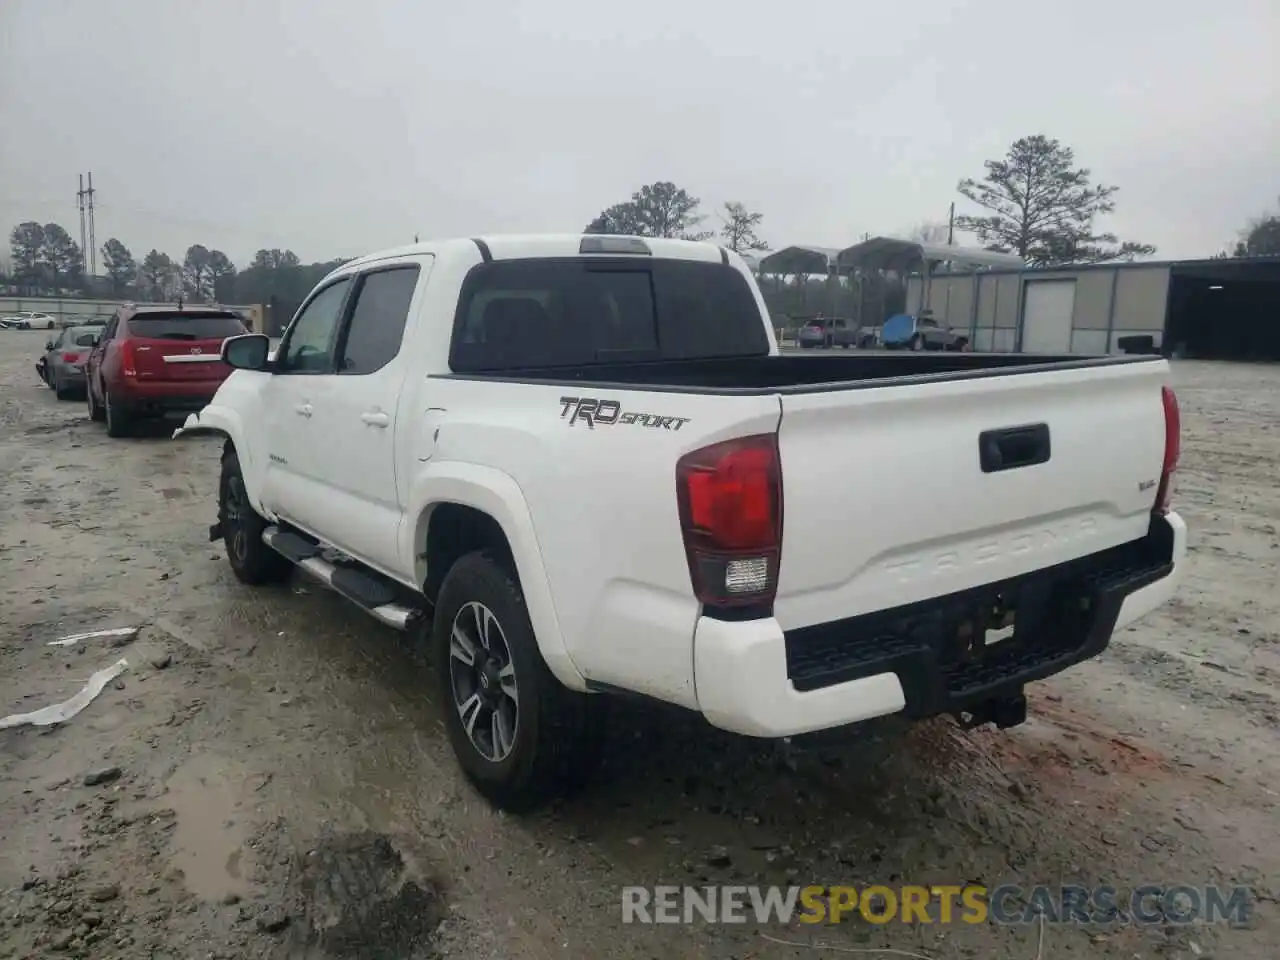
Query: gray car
{"x": 62, "y": 365}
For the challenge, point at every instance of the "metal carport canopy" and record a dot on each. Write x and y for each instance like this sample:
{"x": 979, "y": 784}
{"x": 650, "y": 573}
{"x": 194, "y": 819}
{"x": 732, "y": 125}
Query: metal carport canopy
{"x": 888, "y": 253}
{"x": 800, "y": 259}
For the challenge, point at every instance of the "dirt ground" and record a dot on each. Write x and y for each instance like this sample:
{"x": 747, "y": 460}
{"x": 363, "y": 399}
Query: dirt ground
{"x": 268, "y": 779}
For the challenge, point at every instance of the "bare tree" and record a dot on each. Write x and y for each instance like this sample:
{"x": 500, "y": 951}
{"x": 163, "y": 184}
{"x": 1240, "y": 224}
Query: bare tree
{"x": 739, "y": 230}
{"x": 1042, "y": 207}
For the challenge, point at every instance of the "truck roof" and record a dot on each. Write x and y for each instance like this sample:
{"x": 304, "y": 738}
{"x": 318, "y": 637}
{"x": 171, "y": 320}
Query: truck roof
{"x": 539, "y": 245}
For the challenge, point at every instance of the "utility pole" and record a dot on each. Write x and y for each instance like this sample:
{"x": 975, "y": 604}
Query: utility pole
{"x": 88, "y": 240}
{"x": 951, "y": 222}
{"x": 93, "y": 243}
{"x": 84, "y": 251}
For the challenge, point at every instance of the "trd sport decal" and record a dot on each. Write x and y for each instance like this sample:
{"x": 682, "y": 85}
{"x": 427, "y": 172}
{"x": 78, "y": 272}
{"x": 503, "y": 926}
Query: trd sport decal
{"x": 605, "y": 413}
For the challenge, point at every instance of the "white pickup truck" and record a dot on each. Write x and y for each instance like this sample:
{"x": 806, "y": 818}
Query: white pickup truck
{"x": 577, "y": 466}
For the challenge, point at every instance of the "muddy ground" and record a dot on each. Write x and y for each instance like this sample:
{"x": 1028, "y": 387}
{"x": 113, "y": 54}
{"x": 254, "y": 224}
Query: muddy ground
{"x": 269, "y": 779}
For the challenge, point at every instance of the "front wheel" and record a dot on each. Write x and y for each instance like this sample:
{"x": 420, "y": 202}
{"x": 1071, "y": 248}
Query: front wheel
{"x": 520, "y": 736}
{"x": 252, "y": 561}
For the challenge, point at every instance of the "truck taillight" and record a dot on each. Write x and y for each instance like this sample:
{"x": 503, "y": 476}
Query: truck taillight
{"x": 128, "y": 362}
{"x": 70, "y": 357}
{"x": 1172, "y": 449}
{"x": 730, "y": 499}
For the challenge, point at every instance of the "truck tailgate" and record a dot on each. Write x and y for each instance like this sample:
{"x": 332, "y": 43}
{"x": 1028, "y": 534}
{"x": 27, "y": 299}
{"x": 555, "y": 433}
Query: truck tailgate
{"x": 886, "y": 500}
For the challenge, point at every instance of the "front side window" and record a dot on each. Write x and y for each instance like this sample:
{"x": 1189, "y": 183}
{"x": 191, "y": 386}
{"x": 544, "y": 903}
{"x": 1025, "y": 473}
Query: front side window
{"x": 308, "y": 348}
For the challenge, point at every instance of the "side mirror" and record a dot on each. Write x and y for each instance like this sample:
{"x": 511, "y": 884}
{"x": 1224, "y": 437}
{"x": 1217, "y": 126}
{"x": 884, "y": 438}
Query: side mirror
{"x": 48, "y": 344}
{"x": 248, "y": 351}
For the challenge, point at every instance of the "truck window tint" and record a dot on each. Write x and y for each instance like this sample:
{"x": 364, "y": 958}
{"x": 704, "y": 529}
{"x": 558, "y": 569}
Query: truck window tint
{"x": 180, "y": 326}
{"x": 551, "y": 313}
{"x": 378, "y": 320}
{"x": 308, "y": 345}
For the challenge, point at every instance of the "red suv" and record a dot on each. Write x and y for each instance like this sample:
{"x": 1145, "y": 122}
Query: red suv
{"x": 153, "y": 361}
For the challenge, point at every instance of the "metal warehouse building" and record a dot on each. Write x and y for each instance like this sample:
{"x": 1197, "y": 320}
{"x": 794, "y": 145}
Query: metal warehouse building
{"x": 1220, "y": 308}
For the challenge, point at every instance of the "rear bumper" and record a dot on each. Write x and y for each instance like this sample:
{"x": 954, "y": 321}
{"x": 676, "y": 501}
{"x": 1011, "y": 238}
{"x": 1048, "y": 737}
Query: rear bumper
{"x": 755, "y": 679}
{"x": 69, "y": 376}
{"x": 162, "y": 398}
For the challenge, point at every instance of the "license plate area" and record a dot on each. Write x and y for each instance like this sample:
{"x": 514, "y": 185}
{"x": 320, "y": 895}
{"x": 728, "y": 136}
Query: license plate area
{"x": 965, "y": 646}
{"x": 1013, "y": 629}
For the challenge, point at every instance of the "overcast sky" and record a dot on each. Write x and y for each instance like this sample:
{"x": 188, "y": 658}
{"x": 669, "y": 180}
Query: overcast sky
{"x": 336, "y": 128}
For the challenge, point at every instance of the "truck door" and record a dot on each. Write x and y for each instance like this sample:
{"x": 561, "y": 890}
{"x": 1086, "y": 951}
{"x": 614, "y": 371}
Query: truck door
{"x": 361, "y": 417}
{"x": 299, "y": 443}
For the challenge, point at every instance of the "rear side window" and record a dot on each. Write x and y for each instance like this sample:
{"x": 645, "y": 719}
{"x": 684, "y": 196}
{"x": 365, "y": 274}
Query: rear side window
{"x": 185, "y": 326}
{"x": 566, "y": 312}
{"x": 377, "y": 322}
{"x": 84, "y": 339}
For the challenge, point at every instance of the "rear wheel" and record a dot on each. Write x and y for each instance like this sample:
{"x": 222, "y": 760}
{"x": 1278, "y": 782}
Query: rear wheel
{"x": 96, "y": 413}
{"x": 118, "y": 420}
{"x": 60, "y": 390}
{"x": 519, "y": 735}
{"x": 252, "y": 561}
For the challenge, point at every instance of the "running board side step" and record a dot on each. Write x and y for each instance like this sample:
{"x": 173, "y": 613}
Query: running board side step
{"x": 366, "y": 591}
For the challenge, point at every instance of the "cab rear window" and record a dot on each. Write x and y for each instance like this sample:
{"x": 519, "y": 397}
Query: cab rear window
{"x": 563, "y": 312}
{"x": 185, "y": 326}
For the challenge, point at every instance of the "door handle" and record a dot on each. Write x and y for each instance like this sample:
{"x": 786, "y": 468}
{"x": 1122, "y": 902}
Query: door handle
{"x": 1014, "y": 447}
{"x": 376, "y": 419}
{"x": 304, "y": 409}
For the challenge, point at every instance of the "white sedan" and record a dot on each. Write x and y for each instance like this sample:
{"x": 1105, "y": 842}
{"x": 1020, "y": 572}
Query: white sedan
{"x": 28, "y": 321}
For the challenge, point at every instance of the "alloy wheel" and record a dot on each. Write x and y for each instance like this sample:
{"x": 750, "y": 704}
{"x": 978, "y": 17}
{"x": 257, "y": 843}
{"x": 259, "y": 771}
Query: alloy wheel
{"x": 483, "y": 680}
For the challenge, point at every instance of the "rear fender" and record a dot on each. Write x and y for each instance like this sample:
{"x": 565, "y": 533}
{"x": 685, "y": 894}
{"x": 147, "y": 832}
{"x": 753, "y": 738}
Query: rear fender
{"x": 497, "y": 494}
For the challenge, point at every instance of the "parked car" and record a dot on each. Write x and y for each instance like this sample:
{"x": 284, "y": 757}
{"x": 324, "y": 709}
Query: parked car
{"x": 828, "y": 332}
{"x": 561, "y": 463}
{"x": 905, "y": 331}
{"x": 62, "y": 364}
{"x": 28, "y": 321}
{"x": 156, "y": 361}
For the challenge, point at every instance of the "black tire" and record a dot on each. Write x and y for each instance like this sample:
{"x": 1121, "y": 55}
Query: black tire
{"x": 119, "y": 423}
{"x": 60, "y": 391}
{"x": 252, "y": 561}
{"x": 96, "y": 413}
{"x": 556, "y": 740}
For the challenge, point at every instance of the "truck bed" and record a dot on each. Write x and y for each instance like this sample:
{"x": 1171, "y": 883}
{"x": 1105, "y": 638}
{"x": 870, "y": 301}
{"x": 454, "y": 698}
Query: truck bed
{"x": 789, "y": 373}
